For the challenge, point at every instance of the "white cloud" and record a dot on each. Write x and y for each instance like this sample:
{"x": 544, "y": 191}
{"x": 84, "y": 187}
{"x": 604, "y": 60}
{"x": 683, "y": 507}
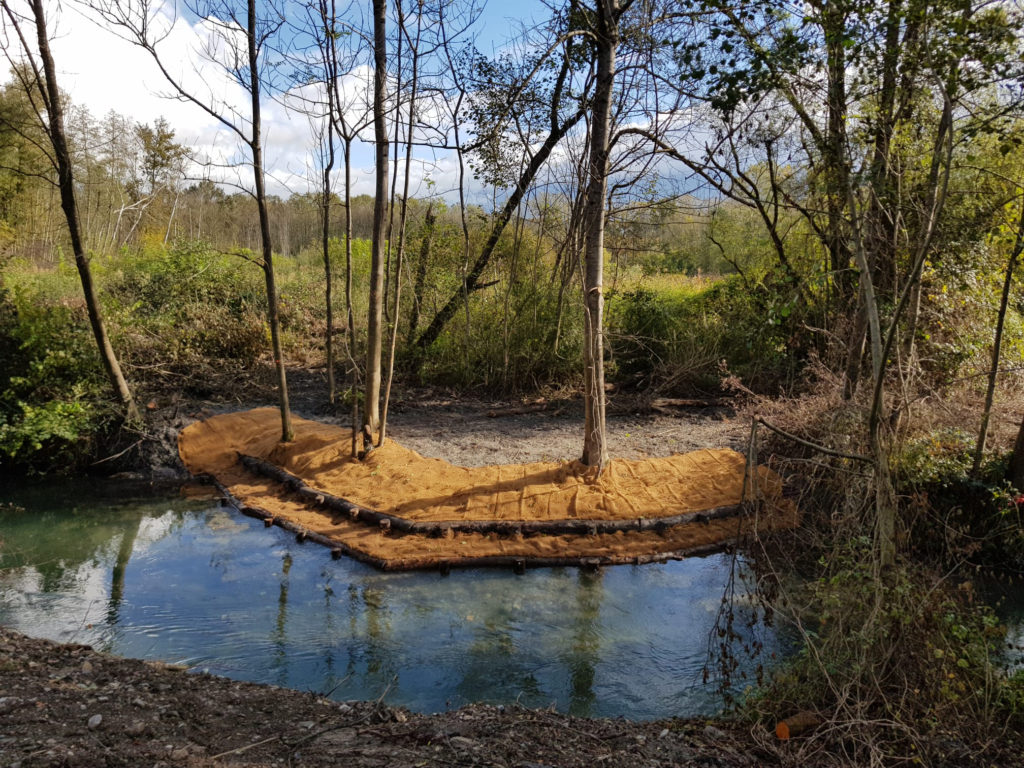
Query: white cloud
{"x": 103, "y": 71}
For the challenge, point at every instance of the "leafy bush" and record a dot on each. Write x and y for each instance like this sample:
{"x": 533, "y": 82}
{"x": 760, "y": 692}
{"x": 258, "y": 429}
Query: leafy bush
{"x": 185, "y": 306}
{"x": 683, "y": 337}
{"x": 953, "y": 515}
{"x": 49, "y": 381}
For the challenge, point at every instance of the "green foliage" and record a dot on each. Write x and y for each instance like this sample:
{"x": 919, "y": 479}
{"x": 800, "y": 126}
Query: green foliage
{"x": 510, "y": 347}
{"x": 185, "y": 307}
{"x": 685, "y": 337}
{"x": 54, "y": 426}
{"x": 49, "y": 382}
{"x": 952, "y": 515}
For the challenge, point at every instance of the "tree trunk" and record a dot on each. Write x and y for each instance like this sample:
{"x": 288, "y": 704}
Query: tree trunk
{"x": 273, "y": 317}
{"x": 419, "y": 285}
{"x": 325, "y": 237}
{"x": 351, "y": 317}
{"x": 997, "y": 343}
{"x": 375, "y": 320}
{"x": 595, "y": 448}
{"x": 66, "y": 184}
{"x": 402, "y": 219}
{"x": 430, "y": 334}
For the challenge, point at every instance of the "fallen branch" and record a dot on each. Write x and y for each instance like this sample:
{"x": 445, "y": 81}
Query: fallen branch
{"x": 813, "y": 446}
{"x": 246, "y": 748}
{"x": 518, "y": 410}
{"x": 666, "y": 404}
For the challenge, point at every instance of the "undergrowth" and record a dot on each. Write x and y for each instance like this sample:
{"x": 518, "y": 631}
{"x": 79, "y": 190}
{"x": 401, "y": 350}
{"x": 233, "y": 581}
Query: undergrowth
{"x": 904, "y": 665}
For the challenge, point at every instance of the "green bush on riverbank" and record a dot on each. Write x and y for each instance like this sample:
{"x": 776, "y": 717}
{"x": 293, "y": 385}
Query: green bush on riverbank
{"x": 189, "y": 320}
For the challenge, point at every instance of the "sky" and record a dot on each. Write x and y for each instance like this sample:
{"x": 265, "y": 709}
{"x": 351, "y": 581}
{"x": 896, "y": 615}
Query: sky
{"x": 103, "y": 72}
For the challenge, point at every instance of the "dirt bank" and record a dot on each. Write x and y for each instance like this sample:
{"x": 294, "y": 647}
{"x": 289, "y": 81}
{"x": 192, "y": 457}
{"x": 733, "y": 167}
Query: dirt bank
{"x": 66, "y": 705}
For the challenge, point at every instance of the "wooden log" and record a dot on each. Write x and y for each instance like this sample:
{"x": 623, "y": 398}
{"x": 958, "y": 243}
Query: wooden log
{"x": 517, "y": 410}
{"x": 665, "y": 403}
{"x": 337, "y": 548}
{"x": 438, "y": 528}
{"x": 445, "y": 564}
{"x": 799, "y": 723}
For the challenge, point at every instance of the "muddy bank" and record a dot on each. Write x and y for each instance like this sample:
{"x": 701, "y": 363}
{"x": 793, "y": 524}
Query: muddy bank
{"x": 66, "y": 705}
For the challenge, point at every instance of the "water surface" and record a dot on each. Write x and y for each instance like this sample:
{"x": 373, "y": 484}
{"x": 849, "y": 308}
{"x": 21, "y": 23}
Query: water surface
{"x": 193, "y": 583}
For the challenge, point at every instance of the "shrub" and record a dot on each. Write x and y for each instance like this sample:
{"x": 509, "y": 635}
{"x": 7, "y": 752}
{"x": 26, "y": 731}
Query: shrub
{"x": 897, "y": 667}
{"x": 49, "y": 382}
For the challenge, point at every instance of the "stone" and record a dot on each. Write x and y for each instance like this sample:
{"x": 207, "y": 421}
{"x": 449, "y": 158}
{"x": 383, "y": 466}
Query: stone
{"x": 179, "y": 755}
{"x": 716, "y": 734}
{"x": 137, "y": 728}
{"x": 87, "y": 667}
{"x": 95, "y": 722}
{"x": 9, "y": 704}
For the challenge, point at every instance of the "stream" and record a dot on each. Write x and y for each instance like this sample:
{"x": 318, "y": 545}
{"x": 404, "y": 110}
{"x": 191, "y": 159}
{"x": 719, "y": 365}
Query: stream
{"x": 197, "y": 584}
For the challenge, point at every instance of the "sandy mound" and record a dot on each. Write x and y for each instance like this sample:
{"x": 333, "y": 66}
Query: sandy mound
{"x": 399, "y": 482}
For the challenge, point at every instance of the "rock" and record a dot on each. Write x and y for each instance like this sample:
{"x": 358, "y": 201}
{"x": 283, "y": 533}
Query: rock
{"x": 400, "y": 716}
{"x": 306, "y": 725}
{"x": 179, "y": 755}
{"x": 87, "y": 667}
{"x": 461, "y": 742}
{"x": 94, "y": 722}
{"x": 715, "y": 734}
{"x": 9, "y": 704}
{"x": 663, "y": 733}
{"x": 137, "y": 728}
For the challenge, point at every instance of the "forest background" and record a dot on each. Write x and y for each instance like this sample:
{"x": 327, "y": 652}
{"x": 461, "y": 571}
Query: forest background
{"x": 815, "y": 209}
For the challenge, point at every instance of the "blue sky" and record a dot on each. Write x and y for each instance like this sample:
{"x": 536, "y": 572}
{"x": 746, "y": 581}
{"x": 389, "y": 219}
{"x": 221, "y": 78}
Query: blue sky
{"x": 104, "y": 73}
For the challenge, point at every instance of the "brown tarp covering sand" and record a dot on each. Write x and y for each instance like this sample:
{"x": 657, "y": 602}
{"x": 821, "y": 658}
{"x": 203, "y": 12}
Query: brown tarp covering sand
{"x": 397, "y": 481}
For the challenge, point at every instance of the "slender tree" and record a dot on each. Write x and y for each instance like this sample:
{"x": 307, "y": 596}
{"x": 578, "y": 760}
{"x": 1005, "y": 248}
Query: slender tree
{"x": 415, "y": 53}
{"x": 504, "y": 95}
{"x": 997, "y": 342}
{"x": 38, "y": 75}
{"x": 605, "y": 29}
{"x": 375, "y": 320}
{"x": 243, "y": 39}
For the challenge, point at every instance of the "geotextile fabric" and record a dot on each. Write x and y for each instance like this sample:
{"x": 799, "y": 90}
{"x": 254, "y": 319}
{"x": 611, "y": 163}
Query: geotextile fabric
{"x": 400, "y": 482}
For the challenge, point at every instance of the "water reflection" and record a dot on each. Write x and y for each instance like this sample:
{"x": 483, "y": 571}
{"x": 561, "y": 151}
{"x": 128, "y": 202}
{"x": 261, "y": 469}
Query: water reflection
{"x": 586, "y": 645}
{"x": 187, "y": 583}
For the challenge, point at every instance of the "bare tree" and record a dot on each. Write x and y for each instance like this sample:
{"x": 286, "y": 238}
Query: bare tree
{"x": 242, "y": 39}
{"x": 415, "y": 54}
{"x": 605, "y": 29}
{"x": 34, "y": 66}
{"x": 506, "y": 97}
{"x": 375, "y": 321}
{"x": 997, "y": 344}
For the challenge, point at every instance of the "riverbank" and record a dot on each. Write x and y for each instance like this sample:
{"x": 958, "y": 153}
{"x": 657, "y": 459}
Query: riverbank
{"x": 67, "y": 705}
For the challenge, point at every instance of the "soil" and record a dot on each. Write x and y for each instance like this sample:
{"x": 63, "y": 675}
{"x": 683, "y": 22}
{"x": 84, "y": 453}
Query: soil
{"x": 67, "y": 705}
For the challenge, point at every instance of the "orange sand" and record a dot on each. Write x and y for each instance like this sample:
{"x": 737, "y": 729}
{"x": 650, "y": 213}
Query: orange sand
{"x": 399, "y": 481}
